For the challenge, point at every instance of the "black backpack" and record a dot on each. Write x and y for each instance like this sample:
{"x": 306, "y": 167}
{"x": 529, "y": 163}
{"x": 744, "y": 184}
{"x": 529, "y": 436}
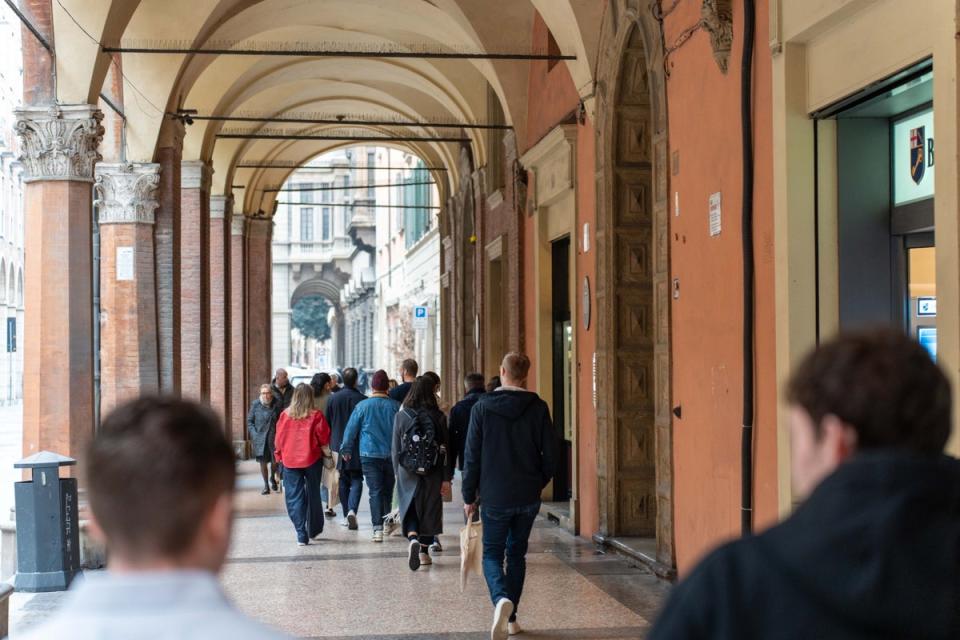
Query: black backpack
{"x": 419, "y": 451}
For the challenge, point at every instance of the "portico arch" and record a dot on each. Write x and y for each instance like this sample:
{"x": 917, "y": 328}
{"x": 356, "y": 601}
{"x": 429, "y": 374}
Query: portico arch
{"x": 633, "y": 293}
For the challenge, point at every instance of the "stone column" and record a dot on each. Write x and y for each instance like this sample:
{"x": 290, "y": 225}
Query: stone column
{"x": 58, "y": 148}
{"x": 259, "y": 237}
{"x": 126, "y": 200}
{"x": 220, "y": 208}
{"x": 167, "y": 249}
{"x": 194, "y": 275}
{"x": 239, "y": 401}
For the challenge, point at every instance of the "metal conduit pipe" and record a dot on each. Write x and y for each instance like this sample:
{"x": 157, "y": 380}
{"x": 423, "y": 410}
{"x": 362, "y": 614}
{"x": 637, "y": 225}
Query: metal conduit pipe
{"x": 746, "y": 121}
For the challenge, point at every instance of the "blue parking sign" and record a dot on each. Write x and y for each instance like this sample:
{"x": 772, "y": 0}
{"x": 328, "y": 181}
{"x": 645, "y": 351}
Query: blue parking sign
{"x": 419, "y": 317}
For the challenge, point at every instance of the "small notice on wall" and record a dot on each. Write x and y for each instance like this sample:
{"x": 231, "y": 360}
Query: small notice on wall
{"x": 124, "y": 263}
{"x": 715, "y": 222}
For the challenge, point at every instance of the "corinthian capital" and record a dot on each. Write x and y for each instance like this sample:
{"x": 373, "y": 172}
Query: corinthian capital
{"x": 126, "y": 193}
{"x": 59, "y": 142}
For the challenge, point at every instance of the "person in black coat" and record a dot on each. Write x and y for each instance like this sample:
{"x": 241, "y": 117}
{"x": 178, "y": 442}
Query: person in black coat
{"x": 421, "y": 494}
{"x": 510, "y": 456}
{"x": 282, "y": 388}
{"x": 874, "y": 551}
{"x": 460, "y": 417}
{"x": 408, "y": 373}
{"x": 339, "y": 408}
{"x": 262, "y": 429}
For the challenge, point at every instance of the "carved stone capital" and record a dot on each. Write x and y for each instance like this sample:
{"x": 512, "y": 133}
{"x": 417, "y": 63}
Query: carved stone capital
{"x": 716, "y": 17}
{"x": 125, "y": 193}
{"x": 196, "y": 174}
{"x": 59, "y": 142}
{"x": 238, "y": 225}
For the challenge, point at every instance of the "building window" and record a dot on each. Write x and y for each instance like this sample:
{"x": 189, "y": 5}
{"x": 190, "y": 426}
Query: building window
{"x": 289, "y": 225}
{"x": 327, "y": 194}
{"x": 306, "y": 196}
{"x": 306, "y": 224}
{"x": 325, "y": 224}
{"x": 417, "y": 218}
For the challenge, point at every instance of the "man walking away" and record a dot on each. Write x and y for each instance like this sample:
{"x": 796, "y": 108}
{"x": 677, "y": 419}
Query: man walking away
{"x": 510, "y": 456}
{"x": 339, "y": 409}
{"x": 460, "y": 417}
{"x": 874, "y": 550}
{"x": 282, "y": 388}
{"x": 370, "y": 432}
{"x": 160, "y": 478}
{"x": 408, "y": 373}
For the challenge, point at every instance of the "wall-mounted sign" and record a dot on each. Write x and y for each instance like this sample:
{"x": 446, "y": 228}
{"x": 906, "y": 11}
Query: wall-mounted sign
{"x": 913, "y": 158}
{"x": 927, "y": 337}
{"x": 420, "y": 317}
{"x": 926, "y": 307}
{"x": 586, "y": 303}
{"x": 715, "y": 220}
{"x": 124, "y": 264}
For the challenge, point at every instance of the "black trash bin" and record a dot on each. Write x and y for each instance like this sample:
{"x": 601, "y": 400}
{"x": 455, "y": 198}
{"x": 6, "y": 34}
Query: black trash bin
{"x": 48, "y": 525}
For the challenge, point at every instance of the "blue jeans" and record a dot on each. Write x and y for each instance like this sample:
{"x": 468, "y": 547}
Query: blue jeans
{"x": 378, "y": 472}
{"x": 506, "y": 531}
{"x": 301, "y": 489}
{"x": 351, "y": 490}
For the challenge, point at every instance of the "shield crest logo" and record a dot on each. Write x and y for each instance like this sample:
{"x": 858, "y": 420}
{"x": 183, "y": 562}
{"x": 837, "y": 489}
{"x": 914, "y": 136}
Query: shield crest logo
{"x": 917, "y": 160}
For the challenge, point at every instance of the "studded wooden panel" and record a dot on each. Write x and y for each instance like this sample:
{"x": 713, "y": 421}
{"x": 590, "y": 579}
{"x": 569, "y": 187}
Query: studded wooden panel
{"x": 633, "y": 284}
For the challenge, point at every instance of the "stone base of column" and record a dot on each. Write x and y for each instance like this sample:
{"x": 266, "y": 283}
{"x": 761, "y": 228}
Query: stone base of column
{"x": 241, "y": 448}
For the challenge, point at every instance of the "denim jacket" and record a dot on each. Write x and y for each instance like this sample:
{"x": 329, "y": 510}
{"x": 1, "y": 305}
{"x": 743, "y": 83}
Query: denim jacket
{"x": 372, "y": 420}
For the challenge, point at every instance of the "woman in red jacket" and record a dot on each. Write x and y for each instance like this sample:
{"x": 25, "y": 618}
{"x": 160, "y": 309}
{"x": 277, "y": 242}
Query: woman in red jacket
{"x": 302, "y": 442}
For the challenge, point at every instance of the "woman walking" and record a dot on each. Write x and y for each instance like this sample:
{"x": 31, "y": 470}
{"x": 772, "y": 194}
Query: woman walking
{"x": 262, "y": 428}
{"x": 420, "y": 442}
{"x": 303, "y": 438}
{"x": 322, "y": 383}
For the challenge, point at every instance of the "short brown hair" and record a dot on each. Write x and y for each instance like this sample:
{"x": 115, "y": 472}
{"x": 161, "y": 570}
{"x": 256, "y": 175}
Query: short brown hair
{"x": 410, "y": 366}
{"x": 881, "y": 383}
{"x": 516, "y": 365}
{"x": 154, "y": 470}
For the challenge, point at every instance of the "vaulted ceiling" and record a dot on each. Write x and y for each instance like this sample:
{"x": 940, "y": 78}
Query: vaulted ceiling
{"x": 414, "y": 89}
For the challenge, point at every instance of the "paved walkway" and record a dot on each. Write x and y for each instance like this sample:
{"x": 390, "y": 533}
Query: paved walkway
{"x": 347, "y": 586}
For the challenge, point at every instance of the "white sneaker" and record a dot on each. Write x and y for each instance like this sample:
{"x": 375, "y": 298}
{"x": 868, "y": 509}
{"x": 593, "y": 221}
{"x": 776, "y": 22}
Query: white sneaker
{"x": 344, "y": 523}
{"x": 436, "y": 547}
{"x": 425, "y": 560}
{"x": 377, "y": 536}
{"x": 501, "y": 619}
{"x": 513, "y": 628}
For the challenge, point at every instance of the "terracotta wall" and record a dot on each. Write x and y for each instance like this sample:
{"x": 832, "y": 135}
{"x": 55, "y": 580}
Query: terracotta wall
{"x": 586, "y": 267}
{"x": 554, "y": 100}
{"x": 704, "y": 121}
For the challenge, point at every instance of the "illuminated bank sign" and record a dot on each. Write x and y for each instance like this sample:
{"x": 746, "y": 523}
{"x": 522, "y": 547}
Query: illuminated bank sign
{"x": 913, "y": 157}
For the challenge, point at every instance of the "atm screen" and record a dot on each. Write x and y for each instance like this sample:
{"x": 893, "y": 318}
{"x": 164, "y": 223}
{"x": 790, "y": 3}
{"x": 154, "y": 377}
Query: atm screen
{"x": 927, "y": 337}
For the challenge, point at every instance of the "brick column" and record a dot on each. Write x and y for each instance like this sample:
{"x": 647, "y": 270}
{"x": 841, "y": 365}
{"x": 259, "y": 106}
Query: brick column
{"x": 194, "y": 275}
{"x": 58, "y": 148}
{"x": 167, "y": 250}
{"x": 126, "y": 200}
{"x": 238, "y": 362}
{"x": 259, "y": 236}
{"x": 220, "y": 207}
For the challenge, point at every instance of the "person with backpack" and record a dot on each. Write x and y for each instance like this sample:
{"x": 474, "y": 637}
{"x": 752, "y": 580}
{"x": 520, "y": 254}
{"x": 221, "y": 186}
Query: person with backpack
{"x": 423, "y": 471}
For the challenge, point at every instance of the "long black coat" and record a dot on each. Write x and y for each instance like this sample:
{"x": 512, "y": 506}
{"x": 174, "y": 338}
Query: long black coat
{"x": 262, "y": 427}
{"x": 339, "y": 409}
{"x": 423, "y": 492}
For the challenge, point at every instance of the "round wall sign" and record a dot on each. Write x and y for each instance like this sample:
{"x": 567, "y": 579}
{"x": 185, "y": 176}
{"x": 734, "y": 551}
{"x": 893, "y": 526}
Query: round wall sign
{"x": 586, "y": 302}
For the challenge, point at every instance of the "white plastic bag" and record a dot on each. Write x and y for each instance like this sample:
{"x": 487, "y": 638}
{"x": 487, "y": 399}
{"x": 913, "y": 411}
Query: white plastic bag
{"x": 471, "y": 551}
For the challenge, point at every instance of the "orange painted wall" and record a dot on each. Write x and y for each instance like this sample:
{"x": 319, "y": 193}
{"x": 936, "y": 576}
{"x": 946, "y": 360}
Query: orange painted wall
{"x": 554, "y": 100}
{"x": 704, "y": 121}
{"x": 552, "y": 94}
{"x": 589, "y": 491}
